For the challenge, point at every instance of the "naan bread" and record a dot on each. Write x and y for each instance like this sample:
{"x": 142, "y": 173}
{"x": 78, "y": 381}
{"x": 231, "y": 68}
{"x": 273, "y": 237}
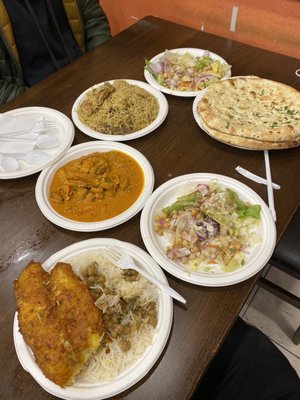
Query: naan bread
{"x": 246, "y": 143}
{"x": 252, "y": 108}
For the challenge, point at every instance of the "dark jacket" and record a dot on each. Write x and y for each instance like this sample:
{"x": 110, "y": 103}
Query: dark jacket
{"x": 89, "y": 26}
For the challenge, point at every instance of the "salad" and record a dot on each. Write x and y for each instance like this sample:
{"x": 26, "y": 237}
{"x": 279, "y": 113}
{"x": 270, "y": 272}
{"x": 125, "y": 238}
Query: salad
{"x": 185, "y": 72}
{"x": 210, "y": 229}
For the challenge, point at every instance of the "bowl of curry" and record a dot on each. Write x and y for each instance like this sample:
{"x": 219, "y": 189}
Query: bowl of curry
{"x": 95, "y": 186}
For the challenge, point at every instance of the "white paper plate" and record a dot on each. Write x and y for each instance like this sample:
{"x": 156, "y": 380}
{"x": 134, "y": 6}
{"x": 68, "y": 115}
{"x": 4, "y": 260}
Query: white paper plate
{"x": 64, "y": 131}
{"x": 45, "y": 178}
{"x": 196, "y": 53}
{"x": 84, "y": 390}
{"x": 163, "y": 111}
{"x": 168, "y": 192}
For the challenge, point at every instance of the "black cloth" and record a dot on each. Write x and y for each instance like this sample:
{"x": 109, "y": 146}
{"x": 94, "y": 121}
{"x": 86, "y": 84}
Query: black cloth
{"x": 249, "y": 367}
{"x": 43, "y": 37}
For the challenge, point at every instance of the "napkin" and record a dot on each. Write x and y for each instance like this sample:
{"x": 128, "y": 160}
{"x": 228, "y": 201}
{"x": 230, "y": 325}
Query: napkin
{"x": 10, "y": 124}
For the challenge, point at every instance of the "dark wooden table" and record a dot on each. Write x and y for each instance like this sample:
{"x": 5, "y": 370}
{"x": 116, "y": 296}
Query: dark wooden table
{"x": 177, "y": 147}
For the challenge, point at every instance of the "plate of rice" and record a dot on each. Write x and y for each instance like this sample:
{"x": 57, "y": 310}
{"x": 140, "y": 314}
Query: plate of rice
{"x": 113, "y": 368}
{"x": 119, "y": 110}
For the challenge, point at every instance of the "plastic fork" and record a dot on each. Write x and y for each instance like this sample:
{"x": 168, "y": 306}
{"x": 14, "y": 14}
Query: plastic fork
{"x": 124, "y": 261}
{"x": 37, "y": 127}
{"x": 41, "y": 141}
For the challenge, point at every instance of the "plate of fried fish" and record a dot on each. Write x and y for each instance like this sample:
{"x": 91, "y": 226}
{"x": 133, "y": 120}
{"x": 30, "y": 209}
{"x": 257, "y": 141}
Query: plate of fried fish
{"x": 84, "y": 328}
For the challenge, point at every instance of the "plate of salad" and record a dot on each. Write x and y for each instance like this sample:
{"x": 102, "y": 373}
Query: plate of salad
{"x": 186, "y": 71}
{"x": 208, "y": 229}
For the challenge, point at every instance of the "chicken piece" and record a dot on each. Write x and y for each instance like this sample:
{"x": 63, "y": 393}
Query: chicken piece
{"x": 81, "y": 319}
{"x": 33, "y": 293}
{"x": 103, "y": 93}
{"x": 58, "y": 320}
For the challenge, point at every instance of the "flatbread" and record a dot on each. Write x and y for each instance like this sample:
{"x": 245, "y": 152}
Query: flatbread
{"x": 246, "y": 143}
{"x": 252, "y": 108}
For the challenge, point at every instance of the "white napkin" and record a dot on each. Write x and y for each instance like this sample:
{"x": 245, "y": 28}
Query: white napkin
{"x": 10, "y": 124}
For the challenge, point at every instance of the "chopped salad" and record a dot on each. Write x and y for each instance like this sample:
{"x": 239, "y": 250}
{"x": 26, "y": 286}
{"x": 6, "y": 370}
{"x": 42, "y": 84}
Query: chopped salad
{"x": 210, "y": 229}
{"x": 185, "y": 72}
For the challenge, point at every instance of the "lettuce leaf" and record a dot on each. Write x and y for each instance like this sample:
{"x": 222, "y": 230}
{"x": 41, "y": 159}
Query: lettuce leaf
{"x": 243, "y": 210}
{"x": 182, "y": 202}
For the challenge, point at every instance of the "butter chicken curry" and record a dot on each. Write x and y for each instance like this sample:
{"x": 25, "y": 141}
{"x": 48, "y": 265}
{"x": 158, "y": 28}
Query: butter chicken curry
{"x": 96, "y": 187}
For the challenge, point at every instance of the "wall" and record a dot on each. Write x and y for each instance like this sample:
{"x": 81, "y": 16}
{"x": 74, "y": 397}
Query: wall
{"x": 270, "y": 24}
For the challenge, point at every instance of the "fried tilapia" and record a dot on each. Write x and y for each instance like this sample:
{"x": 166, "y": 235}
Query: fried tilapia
{"x": 58, "y": 320}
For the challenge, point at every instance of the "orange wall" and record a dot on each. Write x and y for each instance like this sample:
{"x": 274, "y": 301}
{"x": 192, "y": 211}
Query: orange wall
{"x": 270, "y": 24}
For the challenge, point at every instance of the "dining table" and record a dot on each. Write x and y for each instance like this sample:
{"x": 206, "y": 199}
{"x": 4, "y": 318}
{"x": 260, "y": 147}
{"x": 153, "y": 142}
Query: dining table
{"x": 177, "y": 147}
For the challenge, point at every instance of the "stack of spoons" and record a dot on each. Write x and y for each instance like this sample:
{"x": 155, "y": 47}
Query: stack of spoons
{"x": 25, "y": 144}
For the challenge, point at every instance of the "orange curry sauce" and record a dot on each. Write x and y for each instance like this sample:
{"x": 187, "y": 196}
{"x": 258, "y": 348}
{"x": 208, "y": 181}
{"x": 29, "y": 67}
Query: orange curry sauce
{"x": 96, "y": 187}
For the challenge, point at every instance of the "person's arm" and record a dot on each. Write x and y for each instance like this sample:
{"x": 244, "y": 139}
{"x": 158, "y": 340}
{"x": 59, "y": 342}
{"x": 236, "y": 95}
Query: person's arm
{"x": 11, "y": 82}
{"x": 96, "y": 25}
{"x": 9, "y": 91}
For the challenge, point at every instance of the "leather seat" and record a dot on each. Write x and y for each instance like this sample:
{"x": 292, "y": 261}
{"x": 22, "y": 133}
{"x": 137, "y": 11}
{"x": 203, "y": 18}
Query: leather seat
{"x": 287, "y": 253}
{"x": 286, "y": 257}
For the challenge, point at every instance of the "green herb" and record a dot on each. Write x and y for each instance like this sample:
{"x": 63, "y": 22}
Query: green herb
{"x": 292, "y": 112}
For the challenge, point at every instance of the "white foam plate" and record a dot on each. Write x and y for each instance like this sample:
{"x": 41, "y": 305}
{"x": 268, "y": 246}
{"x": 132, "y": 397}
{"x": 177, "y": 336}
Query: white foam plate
{"x": 64, "y": 131}
{"x": 84, "y": 390}
{"x": 45, "y": 178}
{"x": 182, "y": 93}
{"x": 162, "y": 113}
{"x": 168, "y": 192}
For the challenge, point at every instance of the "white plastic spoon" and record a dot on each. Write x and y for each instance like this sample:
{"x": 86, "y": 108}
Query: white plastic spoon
{"x": 33, "y": 157}
{"x": 42, "y": 141}
{"x": 9, "y": 164}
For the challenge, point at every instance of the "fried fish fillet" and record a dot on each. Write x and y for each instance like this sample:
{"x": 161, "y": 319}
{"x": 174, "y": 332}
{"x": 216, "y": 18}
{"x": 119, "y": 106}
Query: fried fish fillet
{"x": 58, "y": 320}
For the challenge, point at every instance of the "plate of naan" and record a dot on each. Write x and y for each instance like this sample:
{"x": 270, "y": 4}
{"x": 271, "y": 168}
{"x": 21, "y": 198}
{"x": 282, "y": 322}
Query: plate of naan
{"x": 250, "y": 112}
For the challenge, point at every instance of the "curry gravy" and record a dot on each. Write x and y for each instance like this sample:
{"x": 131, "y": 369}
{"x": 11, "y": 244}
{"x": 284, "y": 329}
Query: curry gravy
{"x": 96, "y": 187}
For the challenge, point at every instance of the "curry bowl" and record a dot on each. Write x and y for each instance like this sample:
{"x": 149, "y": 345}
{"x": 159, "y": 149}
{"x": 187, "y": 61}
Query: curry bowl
{"x": 95, "y": 186}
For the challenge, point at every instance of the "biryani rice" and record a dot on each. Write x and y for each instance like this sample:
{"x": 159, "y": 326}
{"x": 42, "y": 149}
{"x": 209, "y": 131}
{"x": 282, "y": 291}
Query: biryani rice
{"x": 103, "y": 365}
{"x": 118, "y": 108}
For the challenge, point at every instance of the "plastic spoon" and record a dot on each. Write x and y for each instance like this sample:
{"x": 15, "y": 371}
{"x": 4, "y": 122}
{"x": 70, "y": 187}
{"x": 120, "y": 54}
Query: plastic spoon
{"x": 42, "y": 141}
{"x": 33, "y": 157}
{"x": 9, "y": 164}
